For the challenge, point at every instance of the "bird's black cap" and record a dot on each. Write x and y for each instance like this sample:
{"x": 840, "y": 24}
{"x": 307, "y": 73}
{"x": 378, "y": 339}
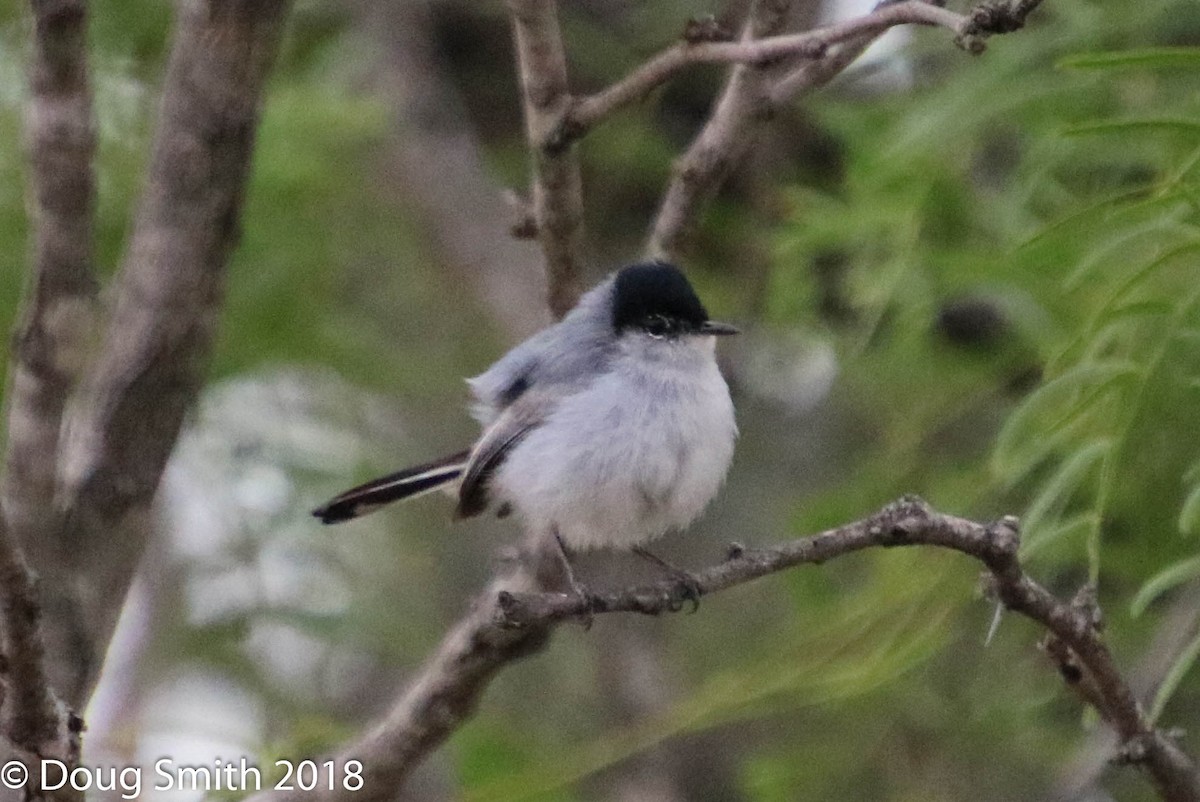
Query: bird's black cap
{"x": 650, "y": 290}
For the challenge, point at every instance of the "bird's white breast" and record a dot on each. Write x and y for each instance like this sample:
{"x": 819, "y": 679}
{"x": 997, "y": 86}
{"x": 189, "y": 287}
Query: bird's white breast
{"x": 638, "y": 452}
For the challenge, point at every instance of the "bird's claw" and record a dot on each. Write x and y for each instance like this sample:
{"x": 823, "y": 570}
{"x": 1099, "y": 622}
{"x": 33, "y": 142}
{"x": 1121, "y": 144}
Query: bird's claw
{"x": 686, "y": 585}
{"x": 587, "y": 616}
{"x": 687, "y": 589}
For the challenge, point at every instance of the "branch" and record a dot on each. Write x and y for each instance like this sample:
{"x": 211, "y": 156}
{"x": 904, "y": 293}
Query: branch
{"x": 31, "y": 719}
{"x": 35, "y": 726}
{"x": 754, "y": 92}
{"x": 439, "y": 700}
{"x": 819, "y": 72}
{"x": 168, "y": 295}
{"x": 911, "y": 522}
{"x": 722, "y": 141}
{"x": 1178, "y": 626}
{"x": 59, "y": 311}
{"x": 557, "y": 187}
{"x": 510, "y": 620}
{"x": 589, "y": 111}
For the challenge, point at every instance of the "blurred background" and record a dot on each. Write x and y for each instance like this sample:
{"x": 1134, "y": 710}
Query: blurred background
{"x": 971, "y": 278}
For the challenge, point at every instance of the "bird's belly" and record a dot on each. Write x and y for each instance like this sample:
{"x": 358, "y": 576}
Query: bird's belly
{"x": 621, "y": 465}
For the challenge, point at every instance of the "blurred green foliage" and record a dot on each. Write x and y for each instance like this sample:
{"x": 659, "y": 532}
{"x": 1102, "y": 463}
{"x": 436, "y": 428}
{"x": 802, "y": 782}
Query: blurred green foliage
{"x": 1003, "y": 257}
{"x": 1030, "y": 212}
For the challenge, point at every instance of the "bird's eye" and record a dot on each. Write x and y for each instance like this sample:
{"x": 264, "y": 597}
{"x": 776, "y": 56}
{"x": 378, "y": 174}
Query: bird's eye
{"x": 658, "y": 325}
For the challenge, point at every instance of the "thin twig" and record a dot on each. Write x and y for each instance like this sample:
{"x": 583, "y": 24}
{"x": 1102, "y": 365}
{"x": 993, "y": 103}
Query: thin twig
{"x": 726, "y": 135}
{"x": 590, "y": 110}
{"x": 754, "y": 91}
{"x": 436, "y": 167}
{"x": 557, "y": 187}
{"x": 1177, "y": 628}
{"x": 750, "y": 98}
{"x": 819, "y": 72}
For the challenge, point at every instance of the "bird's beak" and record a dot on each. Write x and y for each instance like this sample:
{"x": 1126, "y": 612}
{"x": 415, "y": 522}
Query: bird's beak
{"x": 718, "y": 329}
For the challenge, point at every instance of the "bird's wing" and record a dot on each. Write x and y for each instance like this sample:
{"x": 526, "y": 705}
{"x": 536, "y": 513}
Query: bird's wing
{"x": 518, "y": 420}
{"x": 567, "y": 353}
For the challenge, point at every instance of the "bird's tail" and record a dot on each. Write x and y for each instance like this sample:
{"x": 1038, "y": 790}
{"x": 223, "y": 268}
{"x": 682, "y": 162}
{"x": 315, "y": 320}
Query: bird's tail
{"x": 408, "y": 483}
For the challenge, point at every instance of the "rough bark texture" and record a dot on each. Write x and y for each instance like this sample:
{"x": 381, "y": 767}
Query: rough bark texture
{"x": 30, "y": 717}
{"x": 56, "y": 328}
{"x": 557, "y": 187}
{"x": 168, "y": 296}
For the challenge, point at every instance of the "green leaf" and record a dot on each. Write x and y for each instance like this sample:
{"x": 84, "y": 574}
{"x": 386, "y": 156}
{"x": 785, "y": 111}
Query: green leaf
{"x": 1141, "y": 274}
{"x": 1072, "y": 527}
{"x": 1133, "y": 126}
{"x": 1057, "y": 491}
{"x": 1189, "y": 514}
{"x": 1111, "y": 249}
{"x": 1119, "y": 203}
{"x": 1153, "y": 57}
{"x": 1137, "y": 309}
{"x": 1165, "y": 580}
{"x": 1179, "y": 670}
{"x": 1022, "y": 442}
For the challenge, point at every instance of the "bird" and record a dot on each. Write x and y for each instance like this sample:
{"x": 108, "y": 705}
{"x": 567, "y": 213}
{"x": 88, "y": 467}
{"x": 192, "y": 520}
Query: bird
{"x": 608, "y": 429}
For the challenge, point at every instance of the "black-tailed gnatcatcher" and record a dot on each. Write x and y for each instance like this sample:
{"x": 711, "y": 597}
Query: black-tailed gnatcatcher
{"x": 609, "y": 428}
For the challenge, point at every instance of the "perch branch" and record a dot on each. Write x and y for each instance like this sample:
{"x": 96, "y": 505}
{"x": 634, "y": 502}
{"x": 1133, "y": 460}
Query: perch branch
{"x": 909, "y": 523}
{"x": 511, "y": 620}
{"x": 557, "y": 186}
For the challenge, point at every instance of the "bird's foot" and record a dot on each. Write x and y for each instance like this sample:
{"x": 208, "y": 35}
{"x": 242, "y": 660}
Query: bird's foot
{"x": 687, "y": 586}
{"x": 687, "y": 589}
{"x": 577, "y": 588}
{"x": 587, "y": 601}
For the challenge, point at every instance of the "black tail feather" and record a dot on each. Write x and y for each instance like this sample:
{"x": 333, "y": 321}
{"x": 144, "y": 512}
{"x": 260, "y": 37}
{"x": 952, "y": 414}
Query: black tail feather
{"x": 367, "y": 497}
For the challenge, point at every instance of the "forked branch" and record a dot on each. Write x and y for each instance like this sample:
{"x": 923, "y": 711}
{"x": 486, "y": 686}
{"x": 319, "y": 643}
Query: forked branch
{"x": 969, "y": 29}
{"x": 772, "y": 67}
